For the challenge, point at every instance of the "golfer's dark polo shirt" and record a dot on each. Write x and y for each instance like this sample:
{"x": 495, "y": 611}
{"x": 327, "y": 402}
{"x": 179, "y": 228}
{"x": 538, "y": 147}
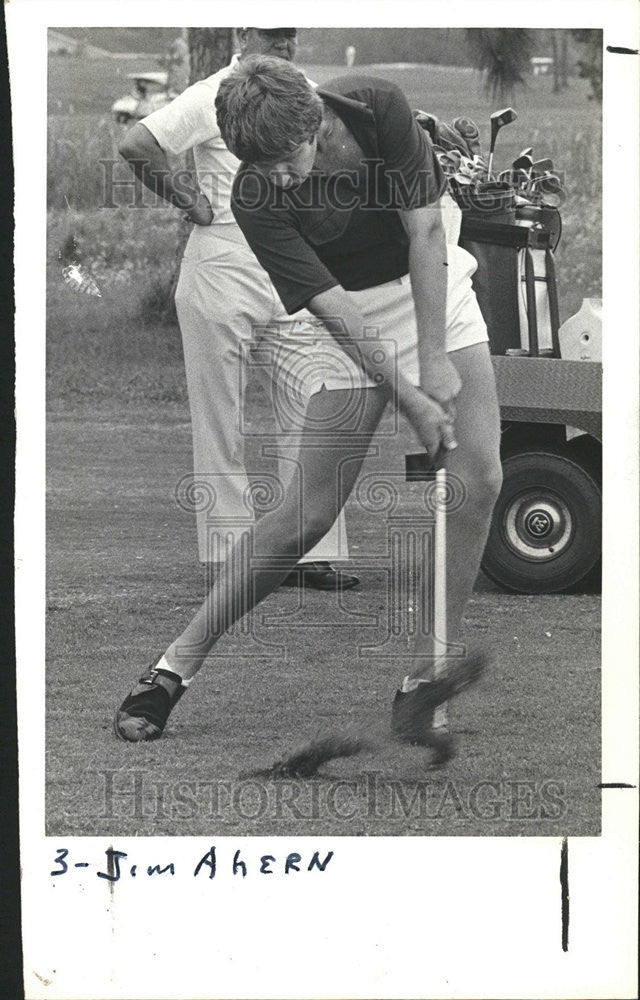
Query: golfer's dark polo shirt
{"x": 343, "y": 231}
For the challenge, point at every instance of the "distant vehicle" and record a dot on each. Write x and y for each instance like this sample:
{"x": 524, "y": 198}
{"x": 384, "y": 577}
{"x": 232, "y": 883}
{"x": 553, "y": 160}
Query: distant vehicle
{"x": 148, "y": 93}
{"x": 541, "y": 65}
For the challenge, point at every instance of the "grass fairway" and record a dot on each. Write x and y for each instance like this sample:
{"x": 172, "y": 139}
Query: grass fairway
{"x": 122, "y": 578}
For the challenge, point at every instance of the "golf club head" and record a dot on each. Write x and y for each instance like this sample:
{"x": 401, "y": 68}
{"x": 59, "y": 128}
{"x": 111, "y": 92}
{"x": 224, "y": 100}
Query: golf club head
{"x": 469, "y": 131}
{"x": 428, "y": 122}
{"x": 552, "y": 190}
{"x": 547, "y": 189}
{"x": 449, "y": 138}
{"x": 523, "y": 162}
{"x": 450, "y": 161}
{"x": 498, "y": 119}
{"x": 542, "y": 166}
{"x": 548, "y": 181}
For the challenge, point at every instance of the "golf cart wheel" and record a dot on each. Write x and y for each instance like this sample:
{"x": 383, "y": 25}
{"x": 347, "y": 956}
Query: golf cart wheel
{"x": 545, "y": 535}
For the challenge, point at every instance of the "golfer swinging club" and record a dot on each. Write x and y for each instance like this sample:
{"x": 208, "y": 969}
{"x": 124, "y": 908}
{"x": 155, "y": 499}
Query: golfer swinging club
{"x": 340, "y": 197}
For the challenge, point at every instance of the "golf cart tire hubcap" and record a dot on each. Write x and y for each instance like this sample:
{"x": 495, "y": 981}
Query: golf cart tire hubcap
{"x": 546, "y": 526}
{"x": 537, "y": 526}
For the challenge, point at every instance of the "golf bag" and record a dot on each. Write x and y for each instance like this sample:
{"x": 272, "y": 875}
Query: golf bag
{"x": 512, "y": 241}
{"x": 515, "y": 282}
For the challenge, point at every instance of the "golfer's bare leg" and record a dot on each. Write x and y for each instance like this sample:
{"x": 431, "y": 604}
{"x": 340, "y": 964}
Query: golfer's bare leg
{"x": 476, "y": 462}
{"x": 310, "y": 507}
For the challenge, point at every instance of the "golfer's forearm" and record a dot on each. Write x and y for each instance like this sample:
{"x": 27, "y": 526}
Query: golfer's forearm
{"x": 347, "y": 326}
{"x": 428, "y": 272}
{"x": 150, "y": 165}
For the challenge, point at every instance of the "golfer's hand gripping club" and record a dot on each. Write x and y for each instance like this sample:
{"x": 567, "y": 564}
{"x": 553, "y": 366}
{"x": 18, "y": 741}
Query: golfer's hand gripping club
{"x": 433, "y": 426}
{"x": 434, "y": 421}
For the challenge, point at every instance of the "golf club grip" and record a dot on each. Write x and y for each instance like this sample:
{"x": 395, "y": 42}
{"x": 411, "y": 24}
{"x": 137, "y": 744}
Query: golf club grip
{"x": 420, "y": 467}
{"x": 438, "y": 459}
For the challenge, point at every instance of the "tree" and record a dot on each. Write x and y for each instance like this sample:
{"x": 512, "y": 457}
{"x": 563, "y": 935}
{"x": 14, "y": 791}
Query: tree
{"x": 210, "y": 49}
{"x": 178, "y": 64}
{"x": 559, "y": 48}
{"x": 564, "y": 59}
{"x": 503, "y": 56}
{"x": 590, "y": 68}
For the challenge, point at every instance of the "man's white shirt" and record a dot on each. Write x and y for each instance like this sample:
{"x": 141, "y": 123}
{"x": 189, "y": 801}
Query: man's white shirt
{"x": 189, "y": 122}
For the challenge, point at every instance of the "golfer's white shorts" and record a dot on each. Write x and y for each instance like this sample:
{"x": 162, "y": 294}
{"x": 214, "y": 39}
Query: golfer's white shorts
{"x": 307, "y": 358}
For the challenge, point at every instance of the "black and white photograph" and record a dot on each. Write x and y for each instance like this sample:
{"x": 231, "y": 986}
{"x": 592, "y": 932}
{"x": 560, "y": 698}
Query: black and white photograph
{"x": 326, "y": 570}
{"x": 182, "y": 321}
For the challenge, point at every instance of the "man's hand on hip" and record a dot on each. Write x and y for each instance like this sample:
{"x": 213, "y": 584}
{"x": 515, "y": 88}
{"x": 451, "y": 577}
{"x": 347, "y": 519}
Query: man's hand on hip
{"x": 201, "y": 213}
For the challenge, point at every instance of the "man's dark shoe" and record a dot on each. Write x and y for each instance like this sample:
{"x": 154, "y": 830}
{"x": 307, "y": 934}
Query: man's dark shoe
{"x": 144, "y": 712}
{"x": 319, "y": 576}
{"x": 412, "y": 711}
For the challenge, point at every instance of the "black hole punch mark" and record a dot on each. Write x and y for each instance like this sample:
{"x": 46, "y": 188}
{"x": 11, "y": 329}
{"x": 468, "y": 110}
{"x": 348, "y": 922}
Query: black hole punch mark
{"x": 620, "y": 50}
{"x": 564, "y": 892}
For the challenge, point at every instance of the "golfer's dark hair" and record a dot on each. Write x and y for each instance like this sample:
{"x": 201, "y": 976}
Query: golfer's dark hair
{"x": 266, "y": 108}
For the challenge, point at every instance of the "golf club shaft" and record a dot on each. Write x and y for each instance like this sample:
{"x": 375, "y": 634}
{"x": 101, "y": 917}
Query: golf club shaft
{"x": 440, "y": 588}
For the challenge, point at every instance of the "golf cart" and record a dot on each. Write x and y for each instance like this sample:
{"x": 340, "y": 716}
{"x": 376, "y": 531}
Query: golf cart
{"x": 148, "y": 93}
{"x": 545, "y": 535}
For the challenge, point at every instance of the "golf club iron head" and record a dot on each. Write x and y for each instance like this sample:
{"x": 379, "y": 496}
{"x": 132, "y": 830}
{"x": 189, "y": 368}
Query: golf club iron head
{"x": 428, "y": 122}
{"x": 547, "y": 189}
{"x": 548, "y": 181}
{"x": 523, "y": 162}
{"x": 541, "y": 166}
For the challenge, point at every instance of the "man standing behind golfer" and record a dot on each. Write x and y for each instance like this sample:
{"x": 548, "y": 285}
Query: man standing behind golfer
{"x": 222, "y": 296}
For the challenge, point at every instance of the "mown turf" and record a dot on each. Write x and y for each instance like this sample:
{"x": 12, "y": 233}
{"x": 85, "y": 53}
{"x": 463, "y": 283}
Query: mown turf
{"x": 123, "y": 578}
